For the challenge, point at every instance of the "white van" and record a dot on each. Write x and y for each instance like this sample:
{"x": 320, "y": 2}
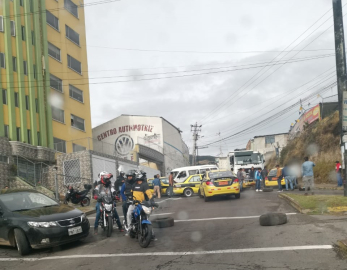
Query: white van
{"x": 181, "y": 174}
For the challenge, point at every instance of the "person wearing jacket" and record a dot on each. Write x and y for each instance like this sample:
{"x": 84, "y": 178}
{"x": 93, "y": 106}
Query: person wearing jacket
{"x": 251, "y": 173}
{"x": 126, "y": 190}
{"x": 338, "y": 173}
{"x": 105, "y": 189}
{"x": 157, "y": 185}
{"x": 258, "y": 178}
{"x": 264, "y": 174}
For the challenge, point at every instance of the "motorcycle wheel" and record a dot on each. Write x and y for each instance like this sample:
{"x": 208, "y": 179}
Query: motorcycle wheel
{"x": 109, "y": 226}
{"x": 145, "y": 235}
{"x": 85, "y": 201}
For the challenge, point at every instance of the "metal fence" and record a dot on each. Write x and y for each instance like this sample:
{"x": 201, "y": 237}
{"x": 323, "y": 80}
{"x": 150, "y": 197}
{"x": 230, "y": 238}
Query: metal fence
{"x": 33, "y": 173}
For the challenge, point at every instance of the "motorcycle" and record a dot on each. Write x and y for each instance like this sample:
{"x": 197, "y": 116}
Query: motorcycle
{"x": 78, "y": 197}
{"x": 141, "y": 227}
{"x": 106, "y": 217}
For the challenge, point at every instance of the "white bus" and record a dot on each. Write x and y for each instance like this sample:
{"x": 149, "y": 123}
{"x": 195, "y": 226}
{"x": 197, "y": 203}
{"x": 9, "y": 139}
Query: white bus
{"x": 181, "y": 174}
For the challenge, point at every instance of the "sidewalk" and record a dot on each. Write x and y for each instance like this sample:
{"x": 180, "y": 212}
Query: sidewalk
{"x": 88, "y": 210}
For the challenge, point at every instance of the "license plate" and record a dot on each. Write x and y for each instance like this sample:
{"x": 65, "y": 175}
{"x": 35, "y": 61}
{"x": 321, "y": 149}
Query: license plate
{"x": 223, "y": 183}
{"x": 76, "y": 230}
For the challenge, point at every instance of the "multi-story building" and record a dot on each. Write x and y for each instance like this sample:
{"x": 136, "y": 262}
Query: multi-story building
{"x": 44, "y": 74}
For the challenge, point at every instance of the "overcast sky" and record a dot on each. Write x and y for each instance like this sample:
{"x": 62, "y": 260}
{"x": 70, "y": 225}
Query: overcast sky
{"x": 136, "y": 37}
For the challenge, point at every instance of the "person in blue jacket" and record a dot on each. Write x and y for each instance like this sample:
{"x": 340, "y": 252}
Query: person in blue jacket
{"x": 258, "y": 178}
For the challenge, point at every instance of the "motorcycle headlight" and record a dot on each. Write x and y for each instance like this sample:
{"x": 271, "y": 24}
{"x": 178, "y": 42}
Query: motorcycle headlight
{"x": 147, "y": 210}
{"x": 108, "y": 207}
{"x": 42, "y": 224}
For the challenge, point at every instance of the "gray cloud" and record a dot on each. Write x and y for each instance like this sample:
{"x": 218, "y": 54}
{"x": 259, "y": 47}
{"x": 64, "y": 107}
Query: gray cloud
{"x": 203, "y": 25}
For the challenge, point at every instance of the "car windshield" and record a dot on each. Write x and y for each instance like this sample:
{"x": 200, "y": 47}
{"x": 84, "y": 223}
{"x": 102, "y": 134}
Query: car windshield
{"x": 165, "y": 180}
{"x": 26, "y": 201}
{"x": 220, "y": 175}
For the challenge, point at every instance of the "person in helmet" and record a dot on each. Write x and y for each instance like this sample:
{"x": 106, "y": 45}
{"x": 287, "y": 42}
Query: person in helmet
{"x": 126, "y": 189}
{"x": 104, "y": 188}
{"x": 120, "y": 181}
{"x": 140, "y": 192}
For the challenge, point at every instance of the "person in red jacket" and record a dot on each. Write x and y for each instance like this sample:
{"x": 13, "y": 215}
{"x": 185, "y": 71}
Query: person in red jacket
{"x": 338, "y": 173}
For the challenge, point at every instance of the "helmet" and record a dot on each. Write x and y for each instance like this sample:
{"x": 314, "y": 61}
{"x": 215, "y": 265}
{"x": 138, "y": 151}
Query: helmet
{"x": 121, "y": 173}
{"x": 105, "y": 178}
{"x": 131, "y": 173}
{"x": 140, "y": 176}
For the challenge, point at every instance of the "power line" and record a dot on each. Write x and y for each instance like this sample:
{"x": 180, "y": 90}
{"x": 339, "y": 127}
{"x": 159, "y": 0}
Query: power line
{"x": 249, "y": 82}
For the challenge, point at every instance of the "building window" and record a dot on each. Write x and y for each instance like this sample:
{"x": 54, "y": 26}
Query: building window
{"x": 38, "y": 138}
{"x": 2, "y": 60}
{"x": 32, "y": 37}
{"x": 1, "y": 24}
{"x": 59, "y": 145}
{"x": 52, "y": 20}
{"x": 56, "y": 83}
{"x": 23, "y": 32}
{"x": 37, "y": 105}
{"x": 7, "y": 132}
{"x": 31, "y": 5}
{"x": 77, "y": 122}
{"x": 58, "y": 114}
{"x": 21, "y": 3}
{"x": 14, "y": 63}
{"x": 16, "y": 99}
{"x": 27, "y": 102}
{"x": 75, "y": 93}
{"x": 25, "y": 66}
{"x": 3, "y": 159}
{"x": 72, "y": 35}
{"x": 269, "y": 139}
{"x": 78, "y": 148}
{"x": 72, "y": 173}
{"x": 18, "y": 133}
{"x": 4, "y": 96}
{"x": 71, "y": 7}
{"x": 74, "y": 64}
{"x": 53, "y": 51}
{"x": 13, "y": 28}
{"x": 29, "y": 136}
{"x": 34, "y": 67}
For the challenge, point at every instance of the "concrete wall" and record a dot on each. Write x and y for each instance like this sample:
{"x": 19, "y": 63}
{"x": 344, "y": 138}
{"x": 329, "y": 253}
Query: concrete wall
{"x": 5, "y": 150}
{"x": 260, "y": 145}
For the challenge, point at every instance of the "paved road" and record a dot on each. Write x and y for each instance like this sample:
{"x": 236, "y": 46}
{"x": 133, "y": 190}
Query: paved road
{"x": 220, "y": 234}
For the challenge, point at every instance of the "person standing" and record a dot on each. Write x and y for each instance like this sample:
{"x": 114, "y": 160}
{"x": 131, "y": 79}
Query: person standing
{"x": 264, "y": 174}
{"x": 251, "y": 173}
{"x": 279, "y": 177}
{"x": 258, "y": 179}
{"x": 157, "y": 186}
{"x": 240, "y": 177}
{"x": 307, "y": 175}
{"x": 338, "y": 173}
{"x": 171, "y": 183}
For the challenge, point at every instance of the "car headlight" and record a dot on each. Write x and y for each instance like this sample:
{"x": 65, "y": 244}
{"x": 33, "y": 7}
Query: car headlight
{"x": 83, "y": 217}
{"x": 35, "y": 224}
{"x": 147, "y": 210}
{"x": 108, "y": 207}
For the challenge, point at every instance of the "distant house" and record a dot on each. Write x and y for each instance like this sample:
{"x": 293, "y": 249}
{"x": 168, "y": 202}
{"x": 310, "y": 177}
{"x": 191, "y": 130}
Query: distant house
{"x": 268, "y": 144}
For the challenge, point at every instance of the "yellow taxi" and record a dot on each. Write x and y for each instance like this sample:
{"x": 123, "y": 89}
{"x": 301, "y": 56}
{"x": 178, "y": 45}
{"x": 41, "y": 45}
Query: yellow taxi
{"x": 219, "y": 182}
{"x": 190, "y": 186}
{"x": 164, "y": 181}
{"x": 271, "y": 179}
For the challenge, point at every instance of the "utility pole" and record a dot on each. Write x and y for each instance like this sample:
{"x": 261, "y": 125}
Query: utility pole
{"x": 195, "y": 129}
{"x": 220, "y": 145}
{"x": 341, "y": 79}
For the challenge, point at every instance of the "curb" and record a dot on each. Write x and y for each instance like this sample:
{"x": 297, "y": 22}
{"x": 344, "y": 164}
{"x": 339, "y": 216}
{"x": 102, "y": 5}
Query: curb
{"x": 292, "y": 202}
{"x": 329, "y": 188}
{"x": 90, "y": 212}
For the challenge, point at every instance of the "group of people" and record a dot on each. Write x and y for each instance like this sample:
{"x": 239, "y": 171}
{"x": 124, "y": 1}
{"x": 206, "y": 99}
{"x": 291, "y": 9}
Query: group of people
{"x": 288, "y": 174}
{"x": 129, "y": 185}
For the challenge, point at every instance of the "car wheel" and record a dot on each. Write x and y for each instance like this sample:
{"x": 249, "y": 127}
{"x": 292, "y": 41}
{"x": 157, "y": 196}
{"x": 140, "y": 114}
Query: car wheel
{"x": 188, "y": 192}
{"x": 22, "y": 242}
{"x": 237, "y": 196}
{"x": 163, "y": 222}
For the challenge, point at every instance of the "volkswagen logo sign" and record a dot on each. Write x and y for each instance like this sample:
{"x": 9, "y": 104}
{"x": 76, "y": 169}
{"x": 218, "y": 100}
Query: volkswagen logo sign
{"x": 124, "y": 145}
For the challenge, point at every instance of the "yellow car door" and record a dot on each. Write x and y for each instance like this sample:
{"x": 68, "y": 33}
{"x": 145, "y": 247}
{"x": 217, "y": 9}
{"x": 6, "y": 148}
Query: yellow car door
{"x": 196, "y": 180}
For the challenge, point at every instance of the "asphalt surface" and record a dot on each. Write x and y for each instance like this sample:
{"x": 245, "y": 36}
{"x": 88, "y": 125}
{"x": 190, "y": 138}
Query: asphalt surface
{"x": 219, "y": 234}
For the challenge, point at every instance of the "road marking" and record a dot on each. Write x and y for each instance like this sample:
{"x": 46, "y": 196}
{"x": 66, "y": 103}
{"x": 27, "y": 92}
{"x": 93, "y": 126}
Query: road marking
{"x": 221, "y": 218}
{"x": 162, "y": 214}
{"x": 186, "y": 253}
